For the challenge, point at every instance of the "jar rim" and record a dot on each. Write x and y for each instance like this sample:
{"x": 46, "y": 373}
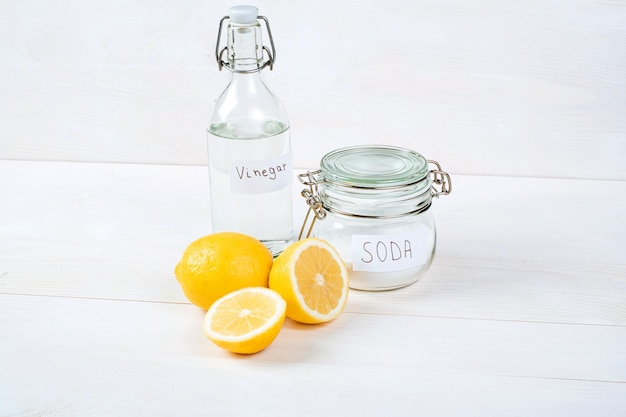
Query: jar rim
{"x": 373, "y": 166}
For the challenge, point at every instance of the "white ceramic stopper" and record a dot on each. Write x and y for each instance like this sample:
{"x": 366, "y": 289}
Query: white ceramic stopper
{"x": 243, "y": 15}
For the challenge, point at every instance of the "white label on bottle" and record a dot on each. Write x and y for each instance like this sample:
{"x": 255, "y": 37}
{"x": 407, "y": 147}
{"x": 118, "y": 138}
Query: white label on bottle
{"x": 385, "y": 253}
{"x": 262, "y": 175}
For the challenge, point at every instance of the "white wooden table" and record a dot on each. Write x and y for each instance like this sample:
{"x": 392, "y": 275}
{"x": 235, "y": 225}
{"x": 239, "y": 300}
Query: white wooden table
{"x": 522, "y": 314}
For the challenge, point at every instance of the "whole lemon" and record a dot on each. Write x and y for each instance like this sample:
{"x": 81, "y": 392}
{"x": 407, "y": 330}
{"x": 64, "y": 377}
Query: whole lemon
{"x": 220, "y": 263}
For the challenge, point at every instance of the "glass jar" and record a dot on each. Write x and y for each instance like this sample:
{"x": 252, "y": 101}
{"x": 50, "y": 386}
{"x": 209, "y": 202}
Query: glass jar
{"x": 372, "y": 203}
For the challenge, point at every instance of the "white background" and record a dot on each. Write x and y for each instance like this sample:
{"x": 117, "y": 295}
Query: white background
{"x": 522, "y": 88}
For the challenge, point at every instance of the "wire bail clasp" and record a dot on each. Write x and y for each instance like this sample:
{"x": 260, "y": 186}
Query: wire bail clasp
{"x": 312, "y": 200}
{"x": 441, "y": 179}
{"x": 271, "y": 55}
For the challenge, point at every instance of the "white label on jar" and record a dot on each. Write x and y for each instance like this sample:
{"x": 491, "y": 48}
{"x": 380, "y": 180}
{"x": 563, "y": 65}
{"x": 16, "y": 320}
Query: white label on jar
{"x": 384, "y": 253}
{"x": 261, "y": 176}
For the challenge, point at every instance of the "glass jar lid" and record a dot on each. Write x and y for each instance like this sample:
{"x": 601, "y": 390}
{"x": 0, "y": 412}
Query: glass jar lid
{"x": 372, "y": 181}
{"x": 374, "y": 166}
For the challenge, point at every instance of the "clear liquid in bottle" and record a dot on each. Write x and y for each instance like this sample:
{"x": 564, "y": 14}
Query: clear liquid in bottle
{"x": 251, "y": 182}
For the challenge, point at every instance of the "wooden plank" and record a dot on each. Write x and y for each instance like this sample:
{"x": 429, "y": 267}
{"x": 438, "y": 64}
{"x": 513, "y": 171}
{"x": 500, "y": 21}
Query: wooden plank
{"x": 521, "y": 88}
{"x": 117, "y": 231}
{"x": 102, "y": 357}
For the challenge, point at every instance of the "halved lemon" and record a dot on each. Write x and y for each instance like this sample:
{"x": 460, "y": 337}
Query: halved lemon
{"x": 313, "y": 279}
{"x": 245, "y": 321}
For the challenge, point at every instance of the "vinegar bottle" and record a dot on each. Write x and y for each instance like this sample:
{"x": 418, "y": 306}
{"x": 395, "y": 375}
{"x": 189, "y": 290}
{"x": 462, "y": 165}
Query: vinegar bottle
{"x": 249, "y": 145}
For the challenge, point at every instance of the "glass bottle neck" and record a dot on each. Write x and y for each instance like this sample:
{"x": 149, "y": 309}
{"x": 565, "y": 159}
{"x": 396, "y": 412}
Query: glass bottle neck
{"x": 245, "y": 47}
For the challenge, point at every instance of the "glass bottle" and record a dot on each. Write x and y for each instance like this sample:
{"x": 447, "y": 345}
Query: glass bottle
{"x": 249, "y": 144}
{"x": 372, "y": 203}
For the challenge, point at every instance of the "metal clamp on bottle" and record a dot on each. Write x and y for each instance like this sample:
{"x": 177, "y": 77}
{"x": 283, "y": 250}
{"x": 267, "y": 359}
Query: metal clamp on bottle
{"x": 244, "y": 18}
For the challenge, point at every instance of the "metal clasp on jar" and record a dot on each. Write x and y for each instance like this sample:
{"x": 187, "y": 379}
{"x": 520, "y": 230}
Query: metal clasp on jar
{"x": 311, "y": 179}
{"x": 441, "y": 179}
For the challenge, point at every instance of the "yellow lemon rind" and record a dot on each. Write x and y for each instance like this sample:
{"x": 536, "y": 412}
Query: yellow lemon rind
{"x": 217, "y": 264}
